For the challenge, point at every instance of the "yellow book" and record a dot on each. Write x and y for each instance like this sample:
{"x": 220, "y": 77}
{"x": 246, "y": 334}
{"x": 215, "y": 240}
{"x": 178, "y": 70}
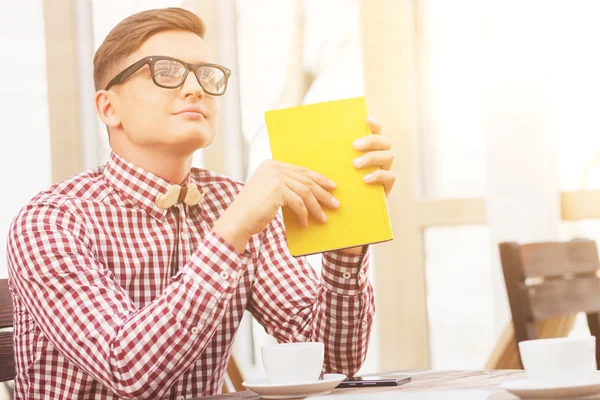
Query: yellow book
{"x": 319, "y": 137}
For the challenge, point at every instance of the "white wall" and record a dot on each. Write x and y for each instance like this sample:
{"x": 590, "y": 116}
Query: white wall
{"x": 518, "y": 92}
{"x": 24, "y": 139}
{"x": 490, "y": 128}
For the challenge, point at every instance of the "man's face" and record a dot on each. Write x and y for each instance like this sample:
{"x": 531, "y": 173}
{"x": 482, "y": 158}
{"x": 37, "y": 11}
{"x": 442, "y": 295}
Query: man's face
{"x": 152, "y": 116}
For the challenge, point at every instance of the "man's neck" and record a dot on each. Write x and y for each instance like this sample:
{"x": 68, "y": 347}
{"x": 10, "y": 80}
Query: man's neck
{"x": 171, "y": 167}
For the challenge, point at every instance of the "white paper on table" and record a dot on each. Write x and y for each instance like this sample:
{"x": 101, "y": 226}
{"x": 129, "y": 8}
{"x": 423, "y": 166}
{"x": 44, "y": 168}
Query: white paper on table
{"x": 441, "y": 395}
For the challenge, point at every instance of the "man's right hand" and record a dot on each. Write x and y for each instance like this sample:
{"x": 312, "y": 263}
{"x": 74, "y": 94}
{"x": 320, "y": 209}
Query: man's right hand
{"x": 274, "y": 185}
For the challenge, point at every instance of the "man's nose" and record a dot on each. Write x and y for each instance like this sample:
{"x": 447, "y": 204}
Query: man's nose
{"x": 191, "y": 87}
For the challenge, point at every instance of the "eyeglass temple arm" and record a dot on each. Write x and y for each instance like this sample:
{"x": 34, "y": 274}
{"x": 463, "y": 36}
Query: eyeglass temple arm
{"x": 126, "y": 73}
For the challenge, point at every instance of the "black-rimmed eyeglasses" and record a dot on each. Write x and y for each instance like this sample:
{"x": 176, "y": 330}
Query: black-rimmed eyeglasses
{"x": 170, "y": 73}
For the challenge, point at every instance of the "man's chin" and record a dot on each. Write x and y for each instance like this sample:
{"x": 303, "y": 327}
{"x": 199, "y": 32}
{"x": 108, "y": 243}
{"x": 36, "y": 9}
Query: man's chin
{"x": 190, "y": 140}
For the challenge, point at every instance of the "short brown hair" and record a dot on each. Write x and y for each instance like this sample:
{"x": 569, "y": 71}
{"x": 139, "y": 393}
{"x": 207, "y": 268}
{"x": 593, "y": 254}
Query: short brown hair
{"x": 131, "y": 33}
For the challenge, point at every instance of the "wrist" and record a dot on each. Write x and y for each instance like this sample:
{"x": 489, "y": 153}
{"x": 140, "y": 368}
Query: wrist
{"x": 354, "y": 250}
{"x": 232, "y": 234}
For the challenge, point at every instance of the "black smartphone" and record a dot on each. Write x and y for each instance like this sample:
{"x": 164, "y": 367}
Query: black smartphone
{"x": 375, "y": 380}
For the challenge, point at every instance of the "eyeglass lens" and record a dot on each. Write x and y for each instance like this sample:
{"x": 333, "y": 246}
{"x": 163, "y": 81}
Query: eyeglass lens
{"x": 171, "y": 73}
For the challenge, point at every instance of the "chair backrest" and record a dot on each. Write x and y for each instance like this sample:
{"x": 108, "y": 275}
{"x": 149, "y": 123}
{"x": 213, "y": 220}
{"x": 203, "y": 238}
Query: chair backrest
{"x": 233, "y": 377}
{"x": 7, "y": 355}
{"x": 547, "y": 280}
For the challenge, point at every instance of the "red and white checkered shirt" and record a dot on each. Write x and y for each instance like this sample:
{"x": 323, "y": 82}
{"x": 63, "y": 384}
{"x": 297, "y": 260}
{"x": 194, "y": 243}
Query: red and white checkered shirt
{"x": 110, "y": 301}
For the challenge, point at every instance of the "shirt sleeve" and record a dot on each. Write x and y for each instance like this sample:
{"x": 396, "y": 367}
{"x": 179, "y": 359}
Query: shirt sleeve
{"x": 92, "y": 321}
{"x": 294, "y": 304}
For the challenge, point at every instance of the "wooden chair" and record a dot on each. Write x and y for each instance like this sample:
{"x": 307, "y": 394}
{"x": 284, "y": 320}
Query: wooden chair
{"x": 233, "y": 377}
{"x": 549, "y": 280}
{"x": 7, "y": 355}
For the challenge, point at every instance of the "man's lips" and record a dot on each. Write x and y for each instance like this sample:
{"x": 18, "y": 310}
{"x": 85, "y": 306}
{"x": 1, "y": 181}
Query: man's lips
{"x": 192, "y": 111}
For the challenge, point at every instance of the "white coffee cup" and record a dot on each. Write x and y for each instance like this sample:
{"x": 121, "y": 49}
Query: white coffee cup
{"x": 560, "y": 360}
{"x": 289, "y": 363}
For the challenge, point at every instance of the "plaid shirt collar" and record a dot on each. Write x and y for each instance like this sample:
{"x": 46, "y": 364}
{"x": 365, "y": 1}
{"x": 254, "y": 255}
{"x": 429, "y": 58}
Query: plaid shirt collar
{"x": 138, "y": 185}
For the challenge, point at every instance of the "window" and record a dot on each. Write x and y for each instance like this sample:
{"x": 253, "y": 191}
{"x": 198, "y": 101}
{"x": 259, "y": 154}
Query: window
{"x": 576, "y": 87}
{"x": 460, "y": 301}
{"x": 451, "y": 131}
{"x": 25, "y": 141}
{"x": 460, "y": 296}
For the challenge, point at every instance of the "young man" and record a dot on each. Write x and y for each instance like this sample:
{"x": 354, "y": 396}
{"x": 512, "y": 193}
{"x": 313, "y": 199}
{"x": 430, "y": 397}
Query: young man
{"x": 130, "y": 280}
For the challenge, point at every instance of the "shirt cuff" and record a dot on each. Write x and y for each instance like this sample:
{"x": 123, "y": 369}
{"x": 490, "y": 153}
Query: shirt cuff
{"x": 210, "y": 277}
{"x": 345, "y": 274}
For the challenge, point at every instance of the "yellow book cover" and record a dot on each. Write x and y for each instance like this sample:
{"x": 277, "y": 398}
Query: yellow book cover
{"x": 319, "y": 137}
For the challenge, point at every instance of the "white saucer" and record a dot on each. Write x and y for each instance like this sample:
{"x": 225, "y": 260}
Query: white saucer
{"x": 293, "y": 391}
{"x": 526, "y": 389}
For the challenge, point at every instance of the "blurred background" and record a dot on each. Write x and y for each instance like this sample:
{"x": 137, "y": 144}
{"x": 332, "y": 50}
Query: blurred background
{"x": 492, "y": 107}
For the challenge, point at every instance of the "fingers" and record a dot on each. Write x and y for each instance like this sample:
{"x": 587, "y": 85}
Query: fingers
{"x": 307, "y": 192}
{"x": 309, "y": 203}
{"x": 313, "y": 196}
{"x": 381, "y": 176}
{"x": 382, "y": 159}
{"x": 297, "y": 205}
{"x": 372, "y": 142}
{"x": 319, "y": 179}
{"x": 374, "y": 126}
{"x": 321, "y": 195}
{"x": 377, "y": 153}
{"x": 282, "y": 169}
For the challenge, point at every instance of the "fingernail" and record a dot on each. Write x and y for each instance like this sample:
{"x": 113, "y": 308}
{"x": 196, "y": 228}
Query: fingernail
{"x": 332, "y": 183}
{"x": 335, "y": 202}
{"x": 368, "y": 178}
{"x": 324, "y": 217}
{"x": 358, "y": 162}
{"x": 358, "y": 144}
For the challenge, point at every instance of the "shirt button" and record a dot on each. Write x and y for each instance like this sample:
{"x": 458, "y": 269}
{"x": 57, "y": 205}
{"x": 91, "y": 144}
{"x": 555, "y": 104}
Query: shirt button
{"x": 365, "y": 325}
{"x": 347, "y": 275}
{"x": 184, "y": 236}
{"x": 195, "y": 330}
{"x": 180, "y": 397}
{"x": 224, "y": 275}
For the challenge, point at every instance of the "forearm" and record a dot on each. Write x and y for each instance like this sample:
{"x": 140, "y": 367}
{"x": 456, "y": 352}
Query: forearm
{"x": 344, "y": 312}
{"x": 294, "y": 304}
{"x": 345, "y": 330}
{"x": 230, "y": 228}
{"x": 184, "y": 320}
{"x": 136, "y": 353}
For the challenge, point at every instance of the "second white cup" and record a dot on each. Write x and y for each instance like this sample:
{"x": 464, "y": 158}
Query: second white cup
{"x": 560, "y": 360}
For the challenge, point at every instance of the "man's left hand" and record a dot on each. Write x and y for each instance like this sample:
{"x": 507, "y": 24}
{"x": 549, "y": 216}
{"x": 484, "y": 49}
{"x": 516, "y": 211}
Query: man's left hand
{"x": 377, "y": 152}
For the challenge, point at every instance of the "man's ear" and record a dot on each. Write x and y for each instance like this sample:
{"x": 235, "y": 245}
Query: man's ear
{"x": 105, "y": 109}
